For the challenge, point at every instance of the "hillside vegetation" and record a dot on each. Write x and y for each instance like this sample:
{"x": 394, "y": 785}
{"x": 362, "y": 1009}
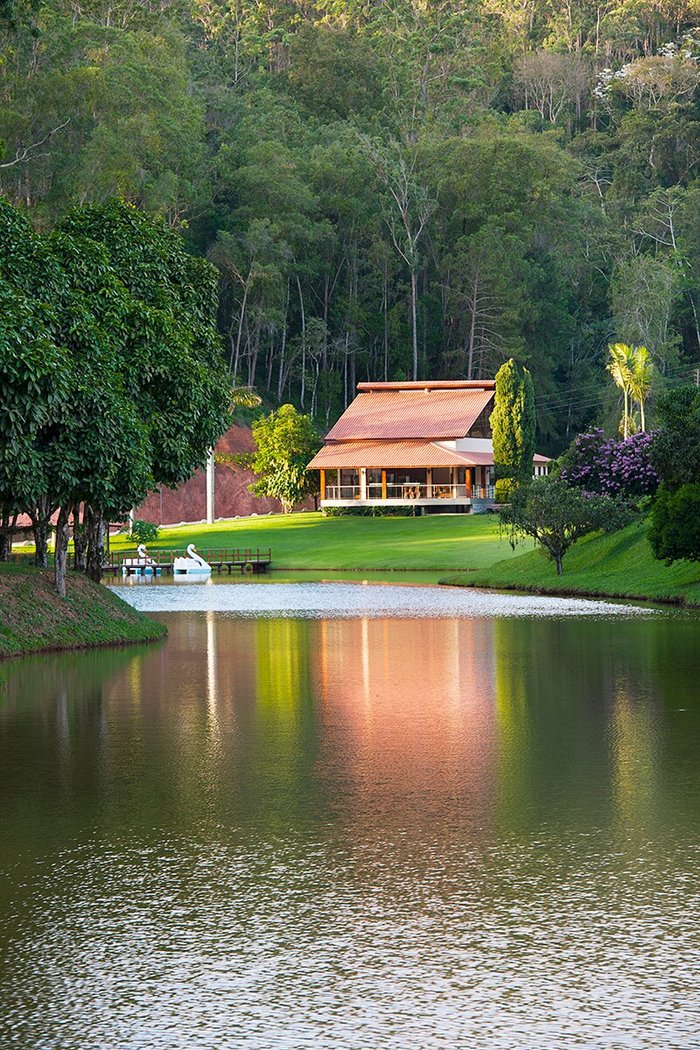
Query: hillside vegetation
{"x": 619, "y": 565}
{"x": 33, "y": 618}
{"x": 387, "y": 189}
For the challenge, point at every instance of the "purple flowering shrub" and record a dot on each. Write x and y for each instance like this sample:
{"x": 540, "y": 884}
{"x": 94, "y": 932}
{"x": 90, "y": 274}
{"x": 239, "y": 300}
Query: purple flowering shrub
{"x": 609, "y": 467}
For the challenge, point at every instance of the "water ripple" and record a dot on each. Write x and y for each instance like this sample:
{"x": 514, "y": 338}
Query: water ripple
{"x": 343, "y": 600}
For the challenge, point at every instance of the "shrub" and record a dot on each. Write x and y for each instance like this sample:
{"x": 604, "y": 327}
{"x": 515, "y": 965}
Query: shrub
{"x": 144, "y": 531}
{"x": 556, "y": 515}
{"x": 674, "y": 531}
{"x": 610, "y": 467}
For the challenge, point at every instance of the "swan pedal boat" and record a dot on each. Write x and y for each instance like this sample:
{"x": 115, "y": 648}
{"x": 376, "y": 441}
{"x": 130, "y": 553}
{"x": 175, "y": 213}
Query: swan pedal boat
{"x": 193, "y": 565}
{"x": 142, "y": 565}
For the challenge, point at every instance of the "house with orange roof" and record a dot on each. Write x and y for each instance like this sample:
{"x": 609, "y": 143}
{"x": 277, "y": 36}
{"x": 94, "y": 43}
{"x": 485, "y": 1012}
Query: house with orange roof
{"x": 423, "y": 445}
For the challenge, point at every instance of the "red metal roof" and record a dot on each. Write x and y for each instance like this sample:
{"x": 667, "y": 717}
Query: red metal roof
{"x": 394, "y": 454}
{"x": 399, "y": 410}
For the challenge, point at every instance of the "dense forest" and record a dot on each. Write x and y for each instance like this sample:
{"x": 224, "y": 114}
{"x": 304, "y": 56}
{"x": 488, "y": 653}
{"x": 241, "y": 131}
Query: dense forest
{"x": 388, "y": 189}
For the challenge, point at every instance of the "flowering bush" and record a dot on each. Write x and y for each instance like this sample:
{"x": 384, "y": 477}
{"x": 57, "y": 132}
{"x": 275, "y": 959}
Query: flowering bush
{"x": 611, "y": 467}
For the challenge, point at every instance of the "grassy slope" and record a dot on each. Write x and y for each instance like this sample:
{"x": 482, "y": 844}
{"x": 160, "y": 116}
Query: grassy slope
{"x": 618, "y": 565}
{"x": 34, "y": 618}
{"x": 310, "y": 541}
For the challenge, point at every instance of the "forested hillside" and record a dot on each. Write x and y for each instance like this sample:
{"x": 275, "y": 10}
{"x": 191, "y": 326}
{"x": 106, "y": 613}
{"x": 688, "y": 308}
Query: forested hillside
{"x": 388, "y": 189}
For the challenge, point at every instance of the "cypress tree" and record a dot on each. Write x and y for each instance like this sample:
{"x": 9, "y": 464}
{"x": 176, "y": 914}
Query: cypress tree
{"x": 513, "y": 425}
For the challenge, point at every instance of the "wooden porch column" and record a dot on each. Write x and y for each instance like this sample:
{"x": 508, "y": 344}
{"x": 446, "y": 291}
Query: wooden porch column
{"x": 383, "y": 484}
{"x": 468, "y": 481}
{"x": 429, "y": 483}
{"x": 454, "y": 482}
{"x": 323, "y": 483}
{"x": 363, "y": 483}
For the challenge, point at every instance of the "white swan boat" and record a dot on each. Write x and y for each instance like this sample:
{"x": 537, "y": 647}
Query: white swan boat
{"x": 141, "y": 565}
{"x": 193, "y": 565}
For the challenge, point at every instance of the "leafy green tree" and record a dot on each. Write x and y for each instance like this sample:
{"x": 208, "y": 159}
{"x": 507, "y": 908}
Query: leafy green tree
{"x": 111, "y": 365}
{"x": 286, "y": 440}
{"x": 674, "y": 528}
{"x": 556, "y": 516}
{"x": 675, "y": 450}
{"x": 513, "y": 425}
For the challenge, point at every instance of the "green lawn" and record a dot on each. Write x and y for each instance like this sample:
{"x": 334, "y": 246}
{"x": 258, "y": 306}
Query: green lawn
{"x": 619, "y": 565}
{"x": 310, "y": 541}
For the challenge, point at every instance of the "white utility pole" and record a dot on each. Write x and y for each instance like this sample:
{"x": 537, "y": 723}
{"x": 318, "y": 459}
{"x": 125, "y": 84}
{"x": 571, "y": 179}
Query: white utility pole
{"x": 210, "y": 487}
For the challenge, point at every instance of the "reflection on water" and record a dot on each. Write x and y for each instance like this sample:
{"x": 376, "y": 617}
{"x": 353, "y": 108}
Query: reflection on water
{"x": 355, "y": 833}
{"x": 350, "y": 600}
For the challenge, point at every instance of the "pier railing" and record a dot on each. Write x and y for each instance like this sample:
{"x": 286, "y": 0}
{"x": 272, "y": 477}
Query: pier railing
{"x": 246, "y": 559}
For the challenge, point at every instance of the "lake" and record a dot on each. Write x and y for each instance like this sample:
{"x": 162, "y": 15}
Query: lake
{"x": 352, "y": 818}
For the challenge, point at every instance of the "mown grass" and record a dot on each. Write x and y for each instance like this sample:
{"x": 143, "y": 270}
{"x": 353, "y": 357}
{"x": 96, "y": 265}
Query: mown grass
{"x": 619, "y": 565}
{"x": 311, "y": 541}
{"x": 33, "y": 618}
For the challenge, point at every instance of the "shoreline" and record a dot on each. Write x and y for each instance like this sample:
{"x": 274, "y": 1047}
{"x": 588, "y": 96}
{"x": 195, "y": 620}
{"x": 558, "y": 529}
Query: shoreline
{"x": 34, "y": 620}
{"x": 678, "y": 602}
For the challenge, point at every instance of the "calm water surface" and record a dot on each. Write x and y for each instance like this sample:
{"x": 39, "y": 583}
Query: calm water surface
{"x": 306, "y": 828}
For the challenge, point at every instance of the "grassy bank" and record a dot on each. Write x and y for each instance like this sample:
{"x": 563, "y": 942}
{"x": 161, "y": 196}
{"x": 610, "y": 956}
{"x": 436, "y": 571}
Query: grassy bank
{"x": 33, "y": 618}
{"x": 310, "y": 541}
{"x": 618, "y": 565}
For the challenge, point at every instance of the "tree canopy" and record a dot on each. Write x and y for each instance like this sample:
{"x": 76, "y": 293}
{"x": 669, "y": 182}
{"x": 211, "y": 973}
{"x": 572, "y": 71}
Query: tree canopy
{"x": 387, "y": 189}
{"x": 286, "y": 440}
{"x": 513, "y": 426}
{"x": 111, "y": 372}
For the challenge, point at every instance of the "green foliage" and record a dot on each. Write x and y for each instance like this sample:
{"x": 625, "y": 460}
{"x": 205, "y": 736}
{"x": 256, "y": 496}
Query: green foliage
{"x": 111, "y": 372}
{"x": 675, "y": 450}
{"x": 618, "y": 564}
{"x": 143, "y": 531}
{"x": 513, "y": 426}
{"x": 286, "y": 440}
{"x": 556, "y": 516}
{"x": 548, "y": 158}
{"x": 674, "y": 528}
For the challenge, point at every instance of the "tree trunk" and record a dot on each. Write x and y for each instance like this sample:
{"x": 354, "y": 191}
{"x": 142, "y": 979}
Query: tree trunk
{"x": 61, "y": 552}
{"x": 414, "y": 321}
{"x": 558, "y": 560}
{"x": 41, "y": 524}
{"x": 79, "y": 541}
{"x": 5, "y": 534}
{"x": 95, "y": 528}
{"x": 303, "y": 344}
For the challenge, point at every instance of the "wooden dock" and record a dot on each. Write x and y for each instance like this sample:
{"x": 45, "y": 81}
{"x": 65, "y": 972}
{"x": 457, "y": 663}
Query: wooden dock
{"x": 250, "y": 560}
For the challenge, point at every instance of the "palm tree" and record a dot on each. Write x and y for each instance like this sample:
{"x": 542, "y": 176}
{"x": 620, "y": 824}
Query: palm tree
{"x": 642, "y": 375}
{"x": 620, "y": 368}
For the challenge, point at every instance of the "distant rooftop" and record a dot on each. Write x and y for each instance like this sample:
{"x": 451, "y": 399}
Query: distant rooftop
{"x": 430, "y": 385}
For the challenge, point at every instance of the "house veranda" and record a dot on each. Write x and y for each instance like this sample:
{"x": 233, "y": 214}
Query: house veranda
{"x": 422, "y": 445}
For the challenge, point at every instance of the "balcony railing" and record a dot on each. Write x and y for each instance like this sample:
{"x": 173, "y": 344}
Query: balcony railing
{"x": 409, "y": 490}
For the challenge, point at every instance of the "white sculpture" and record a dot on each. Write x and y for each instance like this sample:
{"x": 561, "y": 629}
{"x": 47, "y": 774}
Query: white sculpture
{"x": 141, "y": 565}
{"x": 193, "y": 565}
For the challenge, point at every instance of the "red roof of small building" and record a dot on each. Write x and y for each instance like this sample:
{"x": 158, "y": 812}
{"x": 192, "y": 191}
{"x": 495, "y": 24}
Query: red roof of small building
{"x": 413, "y": 411}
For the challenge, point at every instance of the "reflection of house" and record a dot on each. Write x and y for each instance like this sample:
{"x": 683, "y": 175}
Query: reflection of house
{"x": 413, "y": 444}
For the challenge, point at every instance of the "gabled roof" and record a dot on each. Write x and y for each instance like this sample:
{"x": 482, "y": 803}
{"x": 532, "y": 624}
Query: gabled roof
{"x": 405, "y": 453}
{"x": 413, "y": 411}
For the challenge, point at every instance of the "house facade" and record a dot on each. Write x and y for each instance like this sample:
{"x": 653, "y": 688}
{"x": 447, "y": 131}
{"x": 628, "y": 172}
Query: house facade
{"x": 413, "y": 444}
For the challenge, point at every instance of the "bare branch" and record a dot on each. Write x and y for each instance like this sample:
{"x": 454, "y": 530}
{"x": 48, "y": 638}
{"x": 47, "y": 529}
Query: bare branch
{"x": 24, "y": 155}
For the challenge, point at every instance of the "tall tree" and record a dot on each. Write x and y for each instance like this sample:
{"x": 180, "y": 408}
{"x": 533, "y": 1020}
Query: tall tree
{"x": 513, "y": 422}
